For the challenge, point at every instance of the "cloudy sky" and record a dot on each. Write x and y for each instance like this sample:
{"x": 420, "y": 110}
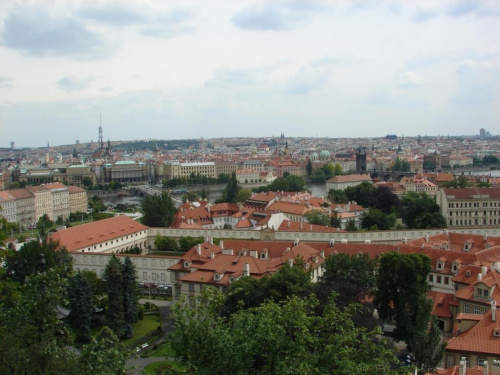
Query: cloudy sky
{"x": 190, "y": 69}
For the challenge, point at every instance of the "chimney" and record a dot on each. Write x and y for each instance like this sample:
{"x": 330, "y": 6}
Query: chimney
{"x": 484, "y": 270}
{"x": 332, "y": 242}
{"x": 246, "y": 270}
{"x": 463, "y": 367}
{"x": 287, "y": 250}
{"x": 485, "y": 368}
{"x": 212, "y": 256}
{"x": 311, "y": 228}
{"x": 221, "y": 244}
{"x": 486, "y": 236}
{"x": 301, "y": 225}
{"x": 296, "y": 242}
{"x": 198, "y": 249}
{"x": 288, "y": 225}
{"x": 493, "y": 310}
{"x": 322, "y": 254}
{"x": 479, "y": 276}
{"x": 290, "y": 262}
{"x": 426, "y": 237}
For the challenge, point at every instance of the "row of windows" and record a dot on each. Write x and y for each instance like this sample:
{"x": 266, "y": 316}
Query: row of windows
{"x": 476, "y": 213}
{"x": 473, "y": 222}
{"x": 473, "y": 204}
{"x": 439, "y": 279}
{"x": 476, "y": 309}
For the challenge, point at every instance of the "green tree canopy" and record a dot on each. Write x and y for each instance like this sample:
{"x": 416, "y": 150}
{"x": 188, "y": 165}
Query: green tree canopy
{"x": 276, "y": 338}
{"x": 419, "y": 211}
{"x": 114, "y": 284}
{"x": 158, "y": 210}
{"x": 26, "y": 262}
{"x": 361, "y": 194}
{"x": 401, "y": 280}
{"x": 317, "y": 217}
{"x": 337, "y": 196}
{"x": 376, "y": 219}
{"x": 243, "y": 195}
{"x": 81, "y": 303}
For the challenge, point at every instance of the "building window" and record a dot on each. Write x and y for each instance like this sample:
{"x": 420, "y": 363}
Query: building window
{"x": 486, "y": 292}
{"x": 482, "y": 362}
{"x": 466, "y": 308}
{"x": 476, "y": 310}
{"x": 191, "y": 287}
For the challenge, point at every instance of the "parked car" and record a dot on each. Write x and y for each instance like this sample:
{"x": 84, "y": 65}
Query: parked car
{"x": 164, "y": 286}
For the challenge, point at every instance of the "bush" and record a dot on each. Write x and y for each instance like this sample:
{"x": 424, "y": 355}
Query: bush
{"x": 140, "y": 314}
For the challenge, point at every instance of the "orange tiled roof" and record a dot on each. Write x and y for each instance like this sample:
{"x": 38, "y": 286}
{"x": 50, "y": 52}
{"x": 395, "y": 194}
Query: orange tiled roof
{"x": 479, "y": 338}
{"x": 85, "y": 235}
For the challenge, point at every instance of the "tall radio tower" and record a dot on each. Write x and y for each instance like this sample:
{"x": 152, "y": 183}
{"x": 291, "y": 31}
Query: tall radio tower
{"x": 101, "y": 141}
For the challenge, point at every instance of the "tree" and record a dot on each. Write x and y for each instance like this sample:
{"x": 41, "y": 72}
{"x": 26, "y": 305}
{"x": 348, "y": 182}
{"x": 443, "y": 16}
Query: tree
{"x": 351, "y": 226}
{"x": 81, "y": 303}
{"x": 33, "y": 338}
{"x": 309, "y": 167}
{"x": 490, "y": 159}
{"x": 401, "y": 280}
{"x": 104, "y": 355}
{"x": 317, "y": 217}
{"x": 337, "y": 171}
{"x": 87, "y": 182}
{"x": 335, "y": 221}
{"x": 230, "y": 192}
{"x": 385, "y": 200}
{"x": 43, "y": 225}
{"x": 158, "y": 210}
{"x": 190, "y": 196}
{"x": 376, "y": 219}
{"x": 114, "y": 282}
{"x": 294, "y": 338}
{"x": 426, "y": 341}
{"x": 419, "y": 211}
{"x": 361, "y": 194}
{"x": 401, "y": 165}
{"x": 186, "y": 243}
{"x": 166, "y": 243}
{"x": 96, "y": 204}
{"x": 26, "y": 262}
{"x": 97, "y": 285}
{"x": 243, "y": 195}
{"x": 337, "y": 196}
{"x": 129, "y": 287}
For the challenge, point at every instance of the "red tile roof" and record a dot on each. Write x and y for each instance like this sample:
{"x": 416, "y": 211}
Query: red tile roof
{"x": 479, "y": 338}
{"x": 86, "y": 235}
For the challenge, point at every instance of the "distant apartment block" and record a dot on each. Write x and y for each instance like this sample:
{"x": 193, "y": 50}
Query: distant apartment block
{"x": 470, "y": 206}
{"x": 175, "y": 169}
{"x": 345, "y": 181}
{"x": 26, "y": 206}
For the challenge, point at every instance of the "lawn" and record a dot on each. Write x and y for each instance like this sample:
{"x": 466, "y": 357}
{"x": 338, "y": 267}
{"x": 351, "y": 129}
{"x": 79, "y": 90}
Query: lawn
{"x": 163, "y": 365}
{"x": 164, "y": 350}
{"x": 148, "y": 324}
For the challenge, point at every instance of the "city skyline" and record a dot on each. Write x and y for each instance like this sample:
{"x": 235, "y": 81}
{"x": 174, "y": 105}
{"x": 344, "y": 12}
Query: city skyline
{"x": 339, "y": 69}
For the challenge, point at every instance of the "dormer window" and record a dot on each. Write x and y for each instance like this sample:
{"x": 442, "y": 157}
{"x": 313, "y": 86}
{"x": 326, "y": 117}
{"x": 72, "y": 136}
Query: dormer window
{"x": 468, "y": 273}
{"x": 440, "y": 265}
{"x": 216, "y": 276}
{"x": 496, "y": 332}
{"x": 231, "y": 279}
{"x": 187, "y": 264}
{"x": 454, "y": 268}
{"x": 467, "y": 246}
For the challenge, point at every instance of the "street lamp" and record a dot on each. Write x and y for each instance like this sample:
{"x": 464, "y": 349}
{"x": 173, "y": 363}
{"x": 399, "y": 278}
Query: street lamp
{"x": 43, "y": 262}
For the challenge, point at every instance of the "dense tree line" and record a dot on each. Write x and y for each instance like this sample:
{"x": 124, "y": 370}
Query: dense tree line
{"x": 158, "y": 210}
{"x": 33, "y": 288}
{"x": 417, "y": 210}
{"x": 196, "y": 179}
{"x": 324, "y": 173}
{"x": 285, "y": 324}
{"x": 171, "y": 244}
{"x": 286, "y": 183}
